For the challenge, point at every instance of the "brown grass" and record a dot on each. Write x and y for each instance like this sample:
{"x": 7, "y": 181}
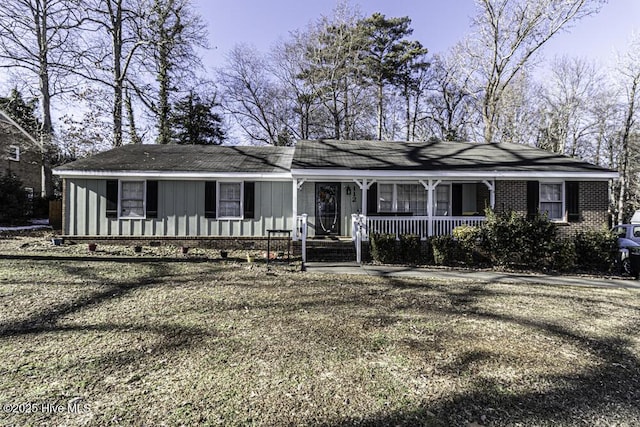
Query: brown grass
{"x": 227, "y": 343}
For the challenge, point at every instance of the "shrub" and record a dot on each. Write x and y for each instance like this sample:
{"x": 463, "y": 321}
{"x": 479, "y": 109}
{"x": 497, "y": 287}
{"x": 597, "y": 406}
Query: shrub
{"x": 410, "y": 246}
{"x": 595, "y": 250}
{"x": 13, "y": 199}
{"x": 384, "y": 248}
{"x": 513, "y": 239}
{"x": 445, "y": 250}
{"x": 468, "y": 238}
{"x": 563, "y": 255}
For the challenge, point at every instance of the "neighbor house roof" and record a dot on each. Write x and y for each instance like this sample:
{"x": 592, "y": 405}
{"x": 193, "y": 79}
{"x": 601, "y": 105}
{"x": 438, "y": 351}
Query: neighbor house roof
{"x": 184, "y": 161}
{"x": 382, "y": 159}
{"x": 7, "y": 121}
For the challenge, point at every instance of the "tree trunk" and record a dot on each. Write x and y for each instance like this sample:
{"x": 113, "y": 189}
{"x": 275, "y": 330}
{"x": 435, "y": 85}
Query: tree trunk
{"x": 380, "y": 108}
{"x": 135, "y": 138}
{"x": 116, "y": 39}
{"x": 42, "y": 30}
{"x": 624, "y": 161}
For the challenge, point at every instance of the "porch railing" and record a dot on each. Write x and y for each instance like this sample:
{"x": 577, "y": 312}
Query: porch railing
{"x": 422, "y": 226}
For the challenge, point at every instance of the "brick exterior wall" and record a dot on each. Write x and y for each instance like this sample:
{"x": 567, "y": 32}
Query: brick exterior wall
{"x": 594, "y": 200}
{"x": 511, "y": 196}
{"x": 29, "y": 167}
{"x": 594, "y": 207}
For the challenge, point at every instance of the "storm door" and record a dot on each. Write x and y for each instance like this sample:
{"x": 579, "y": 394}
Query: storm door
{"x": 327, "y": 209}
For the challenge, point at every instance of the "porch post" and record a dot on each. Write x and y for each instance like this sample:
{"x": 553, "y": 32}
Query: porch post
{"x": 295, "y": 208}
{"x": 430, "y": 208}
{"x": 430, "y": 186}
{"x": 491, "y": 185}
{"x": 365, "y": 196}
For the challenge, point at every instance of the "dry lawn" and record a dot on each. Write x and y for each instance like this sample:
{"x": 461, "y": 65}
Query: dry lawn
{"x": 107, "y": 341}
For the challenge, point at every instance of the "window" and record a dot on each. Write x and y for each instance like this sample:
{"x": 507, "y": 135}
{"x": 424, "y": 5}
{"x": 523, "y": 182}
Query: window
{"x": 442, "y": 200}
{"x": 132, "y": 196}
{"x": 551, "y": 200}
{"x": 229, "y": 202}
{"x": 14, "y": 153}
{"x": 385, "y": 195}
{"x": 407, "y": 198}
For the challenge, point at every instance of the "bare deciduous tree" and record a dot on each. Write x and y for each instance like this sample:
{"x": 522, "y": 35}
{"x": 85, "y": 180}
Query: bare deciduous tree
{"x": 37, "y": 37}
{"x": 629, "y": 70}
{"x": 508, "y": 35}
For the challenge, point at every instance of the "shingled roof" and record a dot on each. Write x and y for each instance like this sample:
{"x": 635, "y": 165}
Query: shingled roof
{"x": 429, "y": 157}
{"x": 186, "y": 158}
{"x": 334, "y": 159}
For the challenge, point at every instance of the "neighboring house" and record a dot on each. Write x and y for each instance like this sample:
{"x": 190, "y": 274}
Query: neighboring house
{"x": 21, "y": 154}
{"x": 156, "y": 191}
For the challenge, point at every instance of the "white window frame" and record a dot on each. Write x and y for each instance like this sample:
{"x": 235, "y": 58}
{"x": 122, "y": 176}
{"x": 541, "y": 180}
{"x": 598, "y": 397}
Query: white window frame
{"x": 449, "y": 186}
{"x": 144, "y": 199}
{"x": 219, "y": 194}
{"x": 14, "y": 153}
{"x": 394, "y": 197}
{"x": 562, "y": 201}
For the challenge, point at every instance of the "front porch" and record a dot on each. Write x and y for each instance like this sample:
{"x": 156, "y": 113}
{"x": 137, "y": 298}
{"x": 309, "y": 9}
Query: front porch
{"x": 425, "y": 207}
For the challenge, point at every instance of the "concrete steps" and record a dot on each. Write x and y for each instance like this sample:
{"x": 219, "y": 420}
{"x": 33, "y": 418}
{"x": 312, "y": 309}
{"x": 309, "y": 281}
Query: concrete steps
{"x": 330, "y": 250}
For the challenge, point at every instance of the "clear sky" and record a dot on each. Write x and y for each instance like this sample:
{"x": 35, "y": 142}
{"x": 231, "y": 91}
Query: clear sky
{"x": 438, "y": 24}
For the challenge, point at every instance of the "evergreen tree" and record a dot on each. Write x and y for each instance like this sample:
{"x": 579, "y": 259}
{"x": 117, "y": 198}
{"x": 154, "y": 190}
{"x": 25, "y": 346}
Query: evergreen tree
{"x": 193, "y": 121}
{"x": 23, "y": 112}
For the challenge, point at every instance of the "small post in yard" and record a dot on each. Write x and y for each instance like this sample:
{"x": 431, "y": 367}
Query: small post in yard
{"x": 357, "y": 225}
{"x": 304, "y": 242}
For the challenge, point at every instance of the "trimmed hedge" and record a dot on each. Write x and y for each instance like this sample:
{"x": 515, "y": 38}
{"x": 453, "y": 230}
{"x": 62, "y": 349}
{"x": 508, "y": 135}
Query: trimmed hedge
{"x": 384, "y": 248}
{"x": 410, "y": 249}
{"x": 505, "y": 239}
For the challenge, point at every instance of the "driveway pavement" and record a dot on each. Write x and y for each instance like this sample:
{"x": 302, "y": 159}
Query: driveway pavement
{"x": 483, "y": 276}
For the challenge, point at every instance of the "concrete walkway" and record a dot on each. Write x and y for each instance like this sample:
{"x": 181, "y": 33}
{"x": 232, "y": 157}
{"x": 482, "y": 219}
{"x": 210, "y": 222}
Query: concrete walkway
{"x": 482, "y": 276}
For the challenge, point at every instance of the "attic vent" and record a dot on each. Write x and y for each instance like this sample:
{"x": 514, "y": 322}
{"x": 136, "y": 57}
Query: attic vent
{"x": 13, "y": 153}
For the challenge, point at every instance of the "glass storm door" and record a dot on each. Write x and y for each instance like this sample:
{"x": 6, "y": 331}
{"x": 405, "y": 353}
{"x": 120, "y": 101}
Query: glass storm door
{"x": 327, "y": 209}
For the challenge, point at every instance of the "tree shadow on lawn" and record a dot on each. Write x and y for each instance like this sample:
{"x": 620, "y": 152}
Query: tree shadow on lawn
{"x": 604, "y": 394}
{"x": 46, "y": 321}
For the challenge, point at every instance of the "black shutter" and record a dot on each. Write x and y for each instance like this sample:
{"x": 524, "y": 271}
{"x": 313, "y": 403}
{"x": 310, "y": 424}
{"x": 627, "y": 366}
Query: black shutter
{"x": 249, "y": 200}
{"x": 572, "y": 199}
{"x": 456, "y": 199}
{"x": 372, "y": 199}
{"x": 112, "y": 198}
{"x": 210, "y": 199}
{"x": 152, "y": 199}
{"x": 533, "y": 198}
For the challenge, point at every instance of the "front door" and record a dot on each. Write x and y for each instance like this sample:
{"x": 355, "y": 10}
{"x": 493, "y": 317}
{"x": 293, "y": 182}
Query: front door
{"x": 327, "y": 209}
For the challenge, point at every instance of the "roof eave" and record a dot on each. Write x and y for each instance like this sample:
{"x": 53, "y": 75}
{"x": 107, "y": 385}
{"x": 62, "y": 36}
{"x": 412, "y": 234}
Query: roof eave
{"x": 176, "y": 175}
{"x": 418, "y": 174}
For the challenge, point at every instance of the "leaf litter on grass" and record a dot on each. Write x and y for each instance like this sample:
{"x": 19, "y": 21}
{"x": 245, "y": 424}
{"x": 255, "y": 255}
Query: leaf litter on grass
{"x": 221, "y": 344}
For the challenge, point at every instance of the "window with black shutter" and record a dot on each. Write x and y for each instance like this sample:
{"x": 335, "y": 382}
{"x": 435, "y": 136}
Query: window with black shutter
{"x": 456, "y": 199}
{"x": 572, "y": 193}
{"x": 152, "y": 199}
{"x": 112, "y": 198}
{"x": 210, "y": 199}
{"x": 249, "y": 200}
{"x": 372, "y": 199}
{"x": 533, "y": 198}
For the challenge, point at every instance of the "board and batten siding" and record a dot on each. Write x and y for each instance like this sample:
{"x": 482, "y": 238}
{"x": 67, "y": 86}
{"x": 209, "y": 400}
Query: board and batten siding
{"x": 180, "y": 211}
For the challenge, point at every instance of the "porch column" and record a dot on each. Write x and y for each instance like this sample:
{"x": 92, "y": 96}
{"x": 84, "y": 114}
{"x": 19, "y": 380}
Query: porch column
{"x": 491, "y": 185}
{"x": 364, "y": 187}
{"x": 430, "y": 186}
